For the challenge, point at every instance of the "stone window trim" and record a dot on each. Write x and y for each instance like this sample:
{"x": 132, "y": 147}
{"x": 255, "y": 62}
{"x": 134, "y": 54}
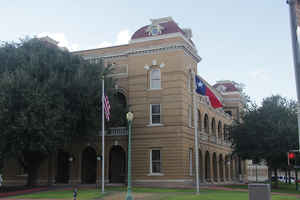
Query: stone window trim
{"x": 151, "y": 162}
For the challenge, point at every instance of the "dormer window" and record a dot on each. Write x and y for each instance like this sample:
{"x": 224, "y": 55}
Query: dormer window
{"x": 154, "y": 29}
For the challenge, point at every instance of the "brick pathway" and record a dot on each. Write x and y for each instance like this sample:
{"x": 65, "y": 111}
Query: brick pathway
{"x": 136, "y": 196}
{"x": 245, "y": 190}
{"x": 113, "y": 196}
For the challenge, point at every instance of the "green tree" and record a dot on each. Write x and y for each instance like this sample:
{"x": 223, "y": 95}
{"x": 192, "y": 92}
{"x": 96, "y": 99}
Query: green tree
{"x": 267, "y": 132}
{"x": 47, "y": 97}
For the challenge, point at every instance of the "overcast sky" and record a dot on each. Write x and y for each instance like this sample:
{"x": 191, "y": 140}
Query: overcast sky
{"x": 245, "y": 41}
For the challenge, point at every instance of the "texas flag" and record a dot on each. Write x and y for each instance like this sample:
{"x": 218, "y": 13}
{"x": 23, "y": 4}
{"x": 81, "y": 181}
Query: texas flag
{"x": 202, "y": 89}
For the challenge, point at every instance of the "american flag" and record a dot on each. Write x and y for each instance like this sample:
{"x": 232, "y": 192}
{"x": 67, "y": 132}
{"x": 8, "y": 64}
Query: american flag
{"x": 106, "y": 108}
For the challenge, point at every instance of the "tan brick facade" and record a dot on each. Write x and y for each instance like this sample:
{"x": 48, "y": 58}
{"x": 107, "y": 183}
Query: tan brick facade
{"x": 171, "y": 140}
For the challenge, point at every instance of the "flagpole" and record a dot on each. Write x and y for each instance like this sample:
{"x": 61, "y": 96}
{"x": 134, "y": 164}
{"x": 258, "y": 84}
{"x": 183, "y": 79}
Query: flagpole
{"x": 196, "y": 134}
{"x": 295, "y": 45}
{"x": 103, "y": 134}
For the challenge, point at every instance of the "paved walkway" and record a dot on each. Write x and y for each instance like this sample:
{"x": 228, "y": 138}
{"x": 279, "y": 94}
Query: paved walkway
{"x": 245, "y": 190}
{"x": 136, "y": 196}
{"x": 26, "y": 191}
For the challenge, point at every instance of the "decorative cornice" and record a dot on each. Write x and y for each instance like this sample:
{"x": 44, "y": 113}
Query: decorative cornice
{"x": 159, "y": 37}
{"x": 148, "y": 50}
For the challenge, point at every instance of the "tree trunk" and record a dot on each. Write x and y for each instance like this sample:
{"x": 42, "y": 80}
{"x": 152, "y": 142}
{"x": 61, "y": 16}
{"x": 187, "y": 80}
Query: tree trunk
{"x": 276, "y": 178}
{"x": 270, "y": 176}
{"x": 285, "y": 174}
{"x": 289, "y": 176}
{"x": 32, "y": 176}
{"x": 33, "y": 162}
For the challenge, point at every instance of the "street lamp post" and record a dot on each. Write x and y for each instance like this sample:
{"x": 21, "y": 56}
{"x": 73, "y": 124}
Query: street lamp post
{"x": 129, "y": 117}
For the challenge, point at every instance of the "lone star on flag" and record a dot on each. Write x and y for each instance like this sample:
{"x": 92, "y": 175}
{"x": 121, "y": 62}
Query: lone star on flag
{"x": 200, "y": 84}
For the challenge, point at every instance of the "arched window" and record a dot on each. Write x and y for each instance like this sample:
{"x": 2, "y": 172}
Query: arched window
{"x": 225, "y": 132}
{"x": 220, "y": 130}
{"x": 155, "y": 81}
{"x": 206, "y": 126}
{"x": 213, "y": 126}
{"x": 121, "y": 99}
{"x": 199, "y": 121}
{"x": 190, "y": 82}
{"x": 120, "y": 103}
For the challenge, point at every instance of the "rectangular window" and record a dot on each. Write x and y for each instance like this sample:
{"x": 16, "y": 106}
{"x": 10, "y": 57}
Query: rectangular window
{"x": 155, "y": 161}
{"x": 191, "y": 161}
{"x": 155, "y": 113}
{"x": 155, "y": 82}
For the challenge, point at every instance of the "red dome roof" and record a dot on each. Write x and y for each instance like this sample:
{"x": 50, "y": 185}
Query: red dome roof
{"x": 168, "y": 27}
{"x": 229, "y": 87}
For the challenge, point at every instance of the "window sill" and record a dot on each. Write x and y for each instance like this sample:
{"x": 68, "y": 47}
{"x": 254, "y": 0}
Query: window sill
{"x": 150, "y": 89}
{"x": 156, "y": 174}
{"x": 150, "y": 125}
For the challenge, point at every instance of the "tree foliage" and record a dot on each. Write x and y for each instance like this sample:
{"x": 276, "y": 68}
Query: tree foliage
{"x": 267, "y": 132}
{"x": 47, "y": 96}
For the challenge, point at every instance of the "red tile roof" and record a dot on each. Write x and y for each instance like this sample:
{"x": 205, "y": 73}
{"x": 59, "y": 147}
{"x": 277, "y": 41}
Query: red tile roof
{"x": 229, "y": 87}
{"x": 169, "y": 27}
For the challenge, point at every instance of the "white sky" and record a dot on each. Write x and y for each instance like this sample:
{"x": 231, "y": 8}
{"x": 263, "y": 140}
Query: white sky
{"x": 244, "y": 41}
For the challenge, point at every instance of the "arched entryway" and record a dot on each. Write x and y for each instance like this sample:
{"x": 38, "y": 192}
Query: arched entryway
{"x": 207, "y": 167}
{"x": 221, "y": 167}
{"x": 227, "y": 163}
{"x": 62, "y": 167}
{"x": 215, "y": 169}
{"x": 89, "y": 166}
{"x": 201, "y": 173}
{"x": 231, "y": 169}
{"x": 117, "y": 165}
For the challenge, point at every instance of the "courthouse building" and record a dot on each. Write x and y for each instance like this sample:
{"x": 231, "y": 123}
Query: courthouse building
{"x": 154, "y": 75}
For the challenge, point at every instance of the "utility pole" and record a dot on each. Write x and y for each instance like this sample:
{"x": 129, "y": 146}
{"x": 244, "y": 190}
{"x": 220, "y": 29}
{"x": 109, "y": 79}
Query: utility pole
{"x": 296, "y": 55}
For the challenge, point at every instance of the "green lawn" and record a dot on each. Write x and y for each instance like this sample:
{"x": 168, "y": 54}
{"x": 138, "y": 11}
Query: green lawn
{"x": 159, "y": 194}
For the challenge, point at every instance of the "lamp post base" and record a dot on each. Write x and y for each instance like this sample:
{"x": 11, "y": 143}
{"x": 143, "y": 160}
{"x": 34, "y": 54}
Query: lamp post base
{"x": 129, "y": 197}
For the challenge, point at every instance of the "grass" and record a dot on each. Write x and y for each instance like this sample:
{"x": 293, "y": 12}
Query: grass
{"x": 159, "y": 193}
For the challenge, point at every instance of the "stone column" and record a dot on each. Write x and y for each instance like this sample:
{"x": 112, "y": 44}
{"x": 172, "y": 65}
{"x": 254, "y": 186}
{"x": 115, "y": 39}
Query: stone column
{"x": 232, "y": 170}
{"x": 201, "y": 168}
{"x": 228, "y": 170}
{"x": 76, "y": 168}
{"x": 224, "y": 170}
{"x": 245, "y": 170}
